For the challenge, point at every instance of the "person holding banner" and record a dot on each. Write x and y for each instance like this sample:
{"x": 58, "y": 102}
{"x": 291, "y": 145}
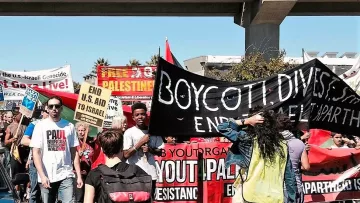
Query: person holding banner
{"x": 34, "y": 195}
{"x": 139, "y": 147}
{"x": 260, "y": 150}
{"x": 8, "y": 119}
{"x": 17, "y": 160}
{"x": 54, "y": 143}
{"x": 338, "y": 140}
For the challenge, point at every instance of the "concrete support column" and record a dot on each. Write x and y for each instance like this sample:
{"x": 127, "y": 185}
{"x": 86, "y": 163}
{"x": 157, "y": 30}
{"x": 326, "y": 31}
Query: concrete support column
{"x": 263, "y": 38}
{"x": 261, "y": 20}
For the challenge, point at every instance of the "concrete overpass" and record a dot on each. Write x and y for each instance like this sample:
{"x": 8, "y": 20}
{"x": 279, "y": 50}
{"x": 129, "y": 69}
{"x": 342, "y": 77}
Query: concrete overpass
{"x": 260, "y": 18}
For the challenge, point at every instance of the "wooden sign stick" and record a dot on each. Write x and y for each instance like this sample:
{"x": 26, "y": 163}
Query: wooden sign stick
{"x": 16, "y": 133}
{"x": 15, "y": 144}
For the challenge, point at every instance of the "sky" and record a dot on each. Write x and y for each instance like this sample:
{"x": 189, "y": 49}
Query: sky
{"x": 36, "y": 43}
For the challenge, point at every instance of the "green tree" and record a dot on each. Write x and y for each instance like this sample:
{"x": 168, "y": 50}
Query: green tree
{"x": 76, "y": 86}
{"x": 134, "y": 62}
{"x": 153, "y": 61}
{"x": 99, "y": 62}
{"x": 251, "y": 67}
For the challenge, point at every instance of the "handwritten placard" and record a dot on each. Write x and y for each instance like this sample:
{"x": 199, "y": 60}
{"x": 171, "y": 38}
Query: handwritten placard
{"x": 92, "y": 104}
{"x": 28, "y": 103}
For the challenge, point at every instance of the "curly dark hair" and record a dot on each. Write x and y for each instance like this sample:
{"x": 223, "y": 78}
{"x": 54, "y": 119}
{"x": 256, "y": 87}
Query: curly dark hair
{"x": 267, "y": 134}
{"x": 284, "y": 122}
{"x": 138, "y": 105}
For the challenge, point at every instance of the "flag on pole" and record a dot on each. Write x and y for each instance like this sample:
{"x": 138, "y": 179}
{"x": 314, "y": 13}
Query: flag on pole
{"x": 352, "y": 76}
{"x": 306, "y": 56}
{"x": 169, "y": 56}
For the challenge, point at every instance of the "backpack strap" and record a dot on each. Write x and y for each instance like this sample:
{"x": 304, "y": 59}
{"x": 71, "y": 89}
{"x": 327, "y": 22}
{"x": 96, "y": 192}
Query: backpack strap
{"x": 127, "y": 173}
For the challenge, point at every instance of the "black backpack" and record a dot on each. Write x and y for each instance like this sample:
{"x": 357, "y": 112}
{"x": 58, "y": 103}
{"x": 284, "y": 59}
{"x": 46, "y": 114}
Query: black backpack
{"x": 125, "y": 186}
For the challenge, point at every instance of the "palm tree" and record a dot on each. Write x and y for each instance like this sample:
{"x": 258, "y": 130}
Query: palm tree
{"x": 134, "y": 62}
{"x": 99, "y": 62}
{"x": 153, "y": 60}
{"x": 77, "y": 86}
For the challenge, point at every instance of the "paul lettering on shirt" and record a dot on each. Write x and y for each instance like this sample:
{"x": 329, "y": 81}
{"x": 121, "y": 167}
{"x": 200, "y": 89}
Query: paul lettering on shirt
{"x": 56, "y": 140}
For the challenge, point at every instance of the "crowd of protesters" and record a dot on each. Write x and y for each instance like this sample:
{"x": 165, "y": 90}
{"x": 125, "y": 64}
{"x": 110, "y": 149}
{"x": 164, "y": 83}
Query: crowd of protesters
{"x": 63, "y": 166}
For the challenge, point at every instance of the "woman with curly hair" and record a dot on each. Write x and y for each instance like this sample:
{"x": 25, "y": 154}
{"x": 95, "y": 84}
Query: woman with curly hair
{"x": 261, "y": 152}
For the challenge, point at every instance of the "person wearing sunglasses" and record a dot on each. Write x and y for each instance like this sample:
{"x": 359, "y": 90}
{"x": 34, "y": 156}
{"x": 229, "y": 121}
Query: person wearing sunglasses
{"x": 54, "y": 144}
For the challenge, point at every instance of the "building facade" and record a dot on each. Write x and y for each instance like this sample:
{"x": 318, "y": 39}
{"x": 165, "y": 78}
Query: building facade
{"x": 336, "y": 62}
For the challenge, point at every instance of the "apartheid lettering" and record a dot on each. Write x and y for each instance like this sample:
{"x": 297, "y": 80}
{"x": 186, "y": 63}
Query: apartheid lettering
{"x": 187, "y": 104}
{"x": 324, "y": 187}
{"x": 335, "y": 104}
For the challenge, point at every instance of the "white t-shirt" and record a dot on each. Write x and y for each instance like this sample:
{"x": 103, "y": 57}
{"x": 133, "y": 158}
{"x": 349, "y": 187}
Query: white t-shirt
{"x": 54, "y": 139}
{"x": 131, "y": 137}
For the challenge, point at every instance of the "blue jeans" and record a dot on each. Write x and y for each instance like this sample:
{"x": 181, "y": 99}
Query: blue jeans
{"x": 62, "y": 190}
{"x": 34, "y": 187}
{"x": 6, "y": 161}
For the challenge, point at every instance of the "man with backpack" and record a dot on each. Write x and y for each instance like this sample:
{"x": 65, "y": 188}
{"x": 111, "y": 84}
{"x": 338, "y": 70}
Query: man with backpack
{"x": 116, "y": 181}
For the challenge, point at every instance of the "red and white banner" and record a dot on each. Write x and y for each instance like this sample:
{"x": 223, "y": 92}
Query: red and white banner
{"x": 196, "y": 172}
{"x": 15, "y": 82}
{"x": 326, "y": 167}
{"x": 130, "y": 83}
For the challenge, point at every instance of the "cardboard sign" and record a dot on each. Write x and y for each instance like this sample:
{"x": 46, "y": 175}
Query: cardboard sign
{"x": 92, "y": 104}
{"x": 1, "y": 95}
{"x": 28, "y": 103}
{"x": 114, "y": 109}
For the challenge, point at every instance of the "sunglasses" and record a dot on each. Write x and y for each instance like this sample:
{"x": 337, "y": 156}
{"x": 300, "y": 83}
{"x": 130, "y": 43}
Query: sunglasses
{"x": 51, "y": 106}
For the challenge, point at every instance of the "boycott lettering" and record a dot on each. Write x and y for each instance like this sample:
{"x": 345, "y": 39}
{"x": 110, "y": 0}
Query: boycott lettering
{"x": 198, "y": 104}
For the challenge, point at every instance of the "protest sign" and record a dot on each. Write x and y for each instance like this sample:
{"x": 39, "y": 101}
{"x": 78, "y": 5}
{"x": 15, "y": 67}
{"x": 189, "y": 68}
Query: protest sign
{"x": 114, "y": 109}
{"x": 28, "y": 103}
{"x": 15, "y": 82}
{"x": 130, "y": 83}
{"x": 198, "y": 104}
{"x": 92, "y": 104}
{"x": 1, "y": 95}
{"x": 196, "y": 173}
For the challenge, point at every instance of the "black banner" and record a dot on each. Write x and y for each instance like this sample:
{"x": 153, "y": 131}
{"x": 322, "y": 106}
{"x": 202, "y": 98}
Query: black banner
{"x": 186, "y": 104}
